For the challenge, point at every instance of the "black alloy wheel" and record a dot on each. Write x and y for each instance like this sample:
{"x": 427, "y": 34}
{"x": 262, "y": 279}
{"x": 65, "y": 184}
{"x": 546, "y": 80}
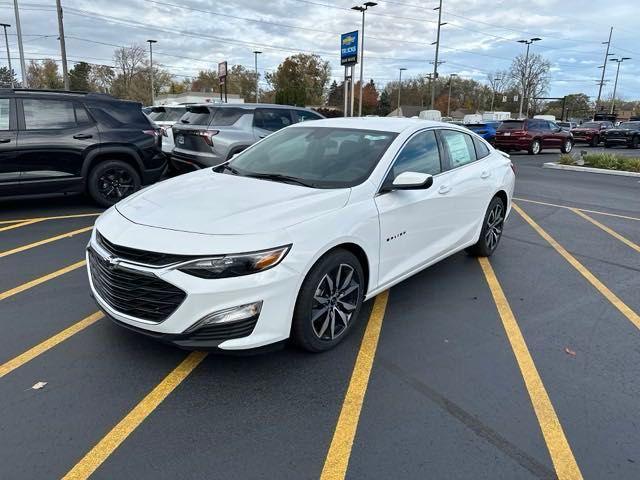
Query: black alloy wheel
{"x": 111, "y": 181}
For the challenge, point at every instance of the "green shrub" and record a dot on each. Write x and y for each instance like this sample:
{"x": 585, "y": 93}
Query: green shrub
{"x": 612, "y": 161}
{"x": 566, "y": 159}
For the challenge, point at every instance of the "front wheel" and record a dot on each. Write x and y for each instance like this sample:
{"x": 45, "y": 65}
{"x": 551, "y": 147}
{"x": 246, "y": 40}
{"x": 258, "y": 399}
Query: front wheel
{"x": 329, "y": 302}
{"x": 595, "y": 141}
{"x": 567, "y": 146}
{"x": 535, "y": 147}
{"x": 634, "y": 142}
{"x": 111, "y": 181}
{"x": 491, "y": 232}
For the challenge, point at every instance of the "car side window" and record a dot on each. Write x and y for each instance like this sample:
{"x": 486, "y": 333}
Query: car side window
{"x": 553, "y": 126}
{"x": 271, "y": 119}
{"x": 82, "y": 117}
{"x": 304, "y": 116}
{"x": 544, "y": 125}
{"x": 420, "y": 154}
{"x": 481, "y": 149}
{"x": 459, "y": 146}
{"x": 48, "y": 114}
{"x": 5, "y": 113}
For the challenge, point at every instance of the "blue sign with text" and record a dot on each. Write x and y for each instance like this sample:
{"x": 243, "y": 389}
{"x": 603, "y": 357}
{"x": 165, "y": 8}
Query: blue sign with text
{"x": 349, "y": 48}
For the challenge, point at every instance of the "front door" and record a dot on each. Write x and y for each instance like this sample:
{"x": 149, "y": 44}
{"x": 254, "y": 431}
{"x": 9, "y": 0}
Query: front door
{"x": 9, "y": 166}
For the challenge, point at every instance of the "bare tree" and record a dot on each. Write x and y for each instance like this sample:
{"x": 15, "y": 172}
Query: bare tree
{"x": 130, "y": 63}
{"x": 531, "y": 76}
{"x": 499, "y": 80}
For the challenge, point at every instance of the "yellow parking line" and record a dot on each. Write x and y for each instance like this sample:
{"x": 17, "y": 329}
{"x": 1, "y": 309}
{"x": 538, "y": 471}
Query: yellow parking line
{"x": 112, "y": 440}
{"x": 335, "y": 465}
{"x": 559, "y": 449}
{"x": 58, "y": 217}
{"x": 581, "y": 209}
{"x": 632, "y": 316}
{"x": 48, "y": 344}
{"x": 39, "y": 280}
{"x": 18, "y": 225}
{"x": 42, "y": 242}
{"x": 607, "y": 229}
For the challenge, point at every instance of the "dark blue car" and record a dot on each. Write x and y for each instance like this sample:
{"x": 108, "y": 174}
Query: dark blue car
{"x": 486, "y": 130}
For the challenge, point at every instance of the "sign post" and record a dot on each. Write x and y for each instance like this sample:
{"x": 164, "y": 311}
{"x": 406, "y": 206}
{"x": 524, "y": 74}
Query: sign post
{"x": 222, "y": 78}
{"x": 348, "y": 57}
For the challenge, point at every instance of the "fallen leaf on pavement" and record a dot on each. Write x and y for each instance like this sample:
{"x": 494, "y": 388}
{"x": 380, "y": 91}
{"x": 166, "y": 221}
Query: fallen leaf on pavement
{"x": 569, "y": 351}
{"x": 39, "y": 385}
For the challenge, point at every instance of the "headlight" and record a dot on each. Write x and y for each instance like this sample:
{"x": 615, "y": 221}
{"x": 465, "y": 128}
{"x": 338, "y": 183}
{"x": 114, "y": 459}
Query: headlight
{"x": 235, "y": 265}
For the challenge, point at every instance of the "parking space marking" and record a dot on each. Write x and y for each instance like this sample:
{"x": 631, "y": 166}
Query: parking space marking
{"x": 576, "y": 208}
{"x": 559, "y": 449}
{"x": 39, "y": 280}
{"x": 45, "y": 241}
{"x": 48, "y": 344}
{"x": 632, "y": 316}
{"x": 19, "y": 224}
{"x": 57, "y": 217}
{"x": 112, "y": 440}
{"x": 337, "y": 460}
{"x": 610, "y": 231}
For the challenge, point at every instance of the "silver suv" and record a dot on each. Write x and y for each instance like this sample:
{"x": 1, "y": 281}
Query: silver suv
{"x": 208, "y": 135}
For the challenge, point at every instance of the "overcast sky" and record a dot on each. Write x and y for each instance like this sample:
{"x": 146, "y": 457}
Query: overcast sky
{"x": 480, "y": 35}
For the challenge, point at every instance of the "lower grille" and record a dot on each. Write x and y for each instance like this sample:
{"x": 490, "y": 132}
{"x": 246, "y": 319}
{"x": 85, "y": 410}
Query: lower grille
{"x": 242, "y": 328}
{"x": 132, "y": 293}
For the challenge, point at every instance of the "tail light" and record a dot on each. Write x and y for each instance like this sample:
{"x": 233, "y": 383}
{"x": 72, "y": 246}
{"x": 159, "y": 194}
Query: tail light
{"x": 519, "y": 133}
{"x": 206, "y": 136}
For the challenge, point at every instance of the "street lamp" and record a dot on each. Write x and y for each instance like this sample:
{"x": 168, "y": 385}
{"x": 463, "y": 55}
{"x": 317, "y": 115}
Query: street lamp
{"x": 526, "y": 71}
{"x": 402, "y": 69}
{"x": 449, "y": 97}
{"x": 6, "y": 41}
{"x": 615, "y": 85}
{"x": 495, "y": 85}
{"x": 153, "y": 93}
{"x": 256, "y": 53}
{"x": 362, "y": 8}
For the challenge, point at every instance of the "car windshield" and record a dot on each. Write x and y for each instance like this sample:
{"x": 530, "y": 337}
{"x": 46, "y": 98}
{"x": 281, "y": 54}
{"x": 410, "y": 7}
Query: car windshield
{"x": 630, "y": 125}
{"x": 319, "y": 157}
{"x": 590, "y": 125}
{"x": 167, "y": 114}
{"x": 511, "y": 126}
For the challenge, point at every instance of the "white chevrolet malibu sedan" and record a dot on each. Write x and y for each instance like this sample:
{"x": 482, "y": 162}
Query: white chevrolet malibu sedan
{"x": 289, "y": 237}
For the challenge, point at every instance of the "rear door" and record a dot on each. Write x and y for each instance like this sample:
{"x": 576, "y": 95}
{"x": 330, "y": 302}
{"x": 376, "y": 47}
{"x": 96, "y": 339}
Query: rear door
{"x": 269, "y": 120}
{"x": 54, "y": 136}
{"x": 9, "y": 166}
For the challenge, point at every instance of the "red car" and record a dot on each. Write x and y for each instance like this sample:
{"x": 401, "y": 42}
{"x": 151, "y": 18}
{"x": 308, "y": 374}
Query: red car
{"x": 590, "y": 132}
{"x": 532, "y": 135}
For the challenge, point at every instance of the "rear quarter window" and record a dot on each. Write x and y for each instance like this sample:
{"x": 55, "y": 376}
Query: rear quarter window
{"x": 119, "y": 115}
{"x": 197, "y": 116}
{"x": 227, "y": 116}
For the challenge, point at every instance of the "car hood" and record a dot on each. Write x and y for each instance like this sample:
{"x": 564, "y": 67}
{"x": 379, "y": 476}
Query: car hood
{"x": 586, "y": 130}
{"x": 617, "y": 130}
{"x": 213, "y": 203}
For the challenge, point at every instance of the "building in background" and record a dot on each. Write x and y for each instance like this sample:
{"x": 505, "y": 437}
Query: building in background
{"x": 195, "y": 97}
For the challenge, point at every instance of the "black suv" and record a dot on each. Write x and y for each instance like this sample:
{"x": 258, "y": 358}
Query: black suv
{"x": 71, "y": 142}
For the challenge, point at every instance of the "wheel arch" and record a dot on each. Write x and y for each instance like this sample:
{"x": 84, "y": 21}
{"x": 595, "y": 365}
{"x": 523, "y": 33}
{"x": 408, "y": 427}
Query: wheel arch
{"x": 123, "y": 154}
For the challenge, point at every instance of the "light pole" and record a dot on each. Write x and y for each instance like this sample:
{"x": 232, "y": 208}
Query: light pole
{"x": 255, "y": 54}
{"x": 525, "y": 77}
{"x": 615, "y": 84}
{"x": 153, "y": 93}
{"x": 402, "y": 69}
{"x": 495, "y": 85}
{"x": 604, "y": 68}
{"x": 435, "y": 63}
{"x": 449, "y": 97}
{"x": 23, "y": 66}
{"x": 6, "y": 41}
{"x": 362, "y": 8}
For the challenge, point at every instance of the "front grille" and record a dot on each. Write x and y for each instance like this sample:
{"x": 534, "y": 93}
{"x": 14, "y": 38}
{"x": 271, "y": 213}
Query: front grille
{"x": 145, "y": 257}
{"x": 242, "y": 328}
{"x": 133, "y": 293}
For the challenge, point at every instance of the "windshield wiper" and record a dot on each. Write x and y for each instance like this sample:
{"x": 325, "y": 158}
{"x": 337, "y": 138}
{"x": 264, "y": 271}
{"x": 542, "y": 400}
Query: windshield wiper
{"x": 277, "y": 177}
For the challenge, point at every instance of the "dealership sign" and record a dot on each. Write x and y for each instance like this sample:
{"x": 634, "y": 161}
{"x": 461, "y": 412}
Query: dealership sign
{"x": 222, "y": 71}
{"x": 349, "y": 48}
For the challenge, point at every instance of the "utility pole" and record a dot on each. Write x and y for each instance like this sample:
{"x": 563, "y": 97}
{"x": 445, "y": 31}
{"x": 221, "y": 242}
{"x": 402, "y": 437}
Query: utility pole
{"x": 6, "y": 41}
{"x": 525, "y": 77}
{"x": 402, "y": 69}
{"x": 604, "y": 68}
{"x": 615, "y": 85}
{"x": 495, "y": 85}
{"x": 362, "y": 9}
{"x": 153, "y": 92}
{"x": 63, "y": 48}
{"x": 435, "y": 63}
{"x": 256, "y": 53}
{"x": 449, "y": 97}
{"x": 23, "y": 66}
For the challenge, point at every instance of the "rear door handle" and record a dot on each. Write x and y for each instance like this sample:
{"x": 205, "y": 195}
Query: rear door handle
{"x": 485, "y": 174}
{"x": 5, "y": 140}
{"x": 444, "y": 189}
{"x": 82, "y": 136}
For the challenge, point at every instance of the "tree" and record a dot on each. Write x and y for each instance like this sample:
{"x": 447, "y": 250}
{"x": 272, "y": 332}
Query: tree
{"x": 44, "y": 75}
{"x": 369, "y": 97}
{"x": 7, "y": 76}
{"x": 576, "y": 105}
{"x": 531, "y": 76}
{"x": 300, "y": 80}
{"x": 80, "y": 77}
{"x": 242, "y": 81}
{"x": 130, "y": 71}
{"x": 206, "y": 81}
{"x": 101, "y": 78}
{"x": 384, "y": 103}
{"x": 335, "y": 97}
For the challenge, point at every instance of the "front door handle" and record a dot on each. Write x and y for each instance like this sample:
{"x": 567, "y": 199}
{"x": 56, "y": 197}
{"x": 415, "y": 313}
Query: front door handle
{"x": 485, "y": 174}
{"x": 5, "y": 140}
{"x": 444, "y": 189}
{"x": 82, "y": 136}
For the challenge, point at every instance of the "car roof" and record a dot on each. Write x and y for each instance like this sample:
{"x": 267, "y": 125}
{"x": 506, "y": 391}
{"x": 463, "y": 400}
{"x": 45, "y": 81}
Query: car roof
{"x": 247, "y": 106}
{"x": 383, "y": 124}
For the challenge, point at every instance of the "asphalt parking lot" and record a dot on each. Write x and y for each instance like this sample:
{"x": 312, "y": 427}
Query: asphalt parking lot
{"x": 523, "y": 366}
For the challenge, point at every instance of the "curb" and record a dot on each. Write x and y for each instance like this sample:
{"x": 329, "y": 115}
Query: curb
{"x": 575, "y": 168}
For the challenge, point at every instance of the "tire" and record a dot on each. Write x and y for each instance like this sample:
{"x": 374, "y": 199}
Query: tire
{"x": 595, "y": 141}
{"x": 321, "y": 319}
{"x": 535, "y": 147}
{"x": 635, "y": 142}
{"x": 491, "y": 232}
{"x": 607, "y": 144}
{"x": 112, "y": 180}
{"x": 567, "y": 146}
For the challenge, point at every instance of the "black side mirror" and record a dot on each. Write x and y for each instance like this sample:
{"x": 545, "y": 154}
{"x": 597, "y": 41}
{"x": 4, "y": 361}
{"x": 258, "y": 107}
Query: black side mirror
{"x": 409, "y": 181}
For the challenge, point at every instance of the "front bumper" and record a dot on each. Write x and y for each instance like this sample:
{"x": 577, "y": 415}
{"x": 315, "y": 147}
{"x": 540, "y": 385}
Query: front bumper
{"x": 276, "y": 288}
{"x": 618, "y": 140}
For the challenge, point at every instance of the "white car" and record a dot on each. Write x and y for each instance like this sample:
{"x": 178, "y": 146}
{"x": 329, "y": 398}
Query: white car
{"x": 289, "y": 237}
{"x": 165, "y": 116}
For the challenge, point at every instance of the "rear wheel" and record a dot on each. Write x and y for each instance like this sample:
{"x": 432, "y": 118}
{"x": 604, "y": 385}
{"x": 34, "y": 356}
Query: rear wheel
{"x": 567, "y": 146}
{"x": 535, "y": 147}
{"x": 595, "y": 141}
{"x": 329, "y": 301}
{"x": 111, "y": 181}
{"x": 491, "y": 230}
{"x": 635, "y": 141}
